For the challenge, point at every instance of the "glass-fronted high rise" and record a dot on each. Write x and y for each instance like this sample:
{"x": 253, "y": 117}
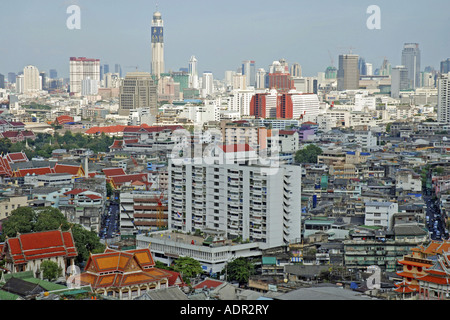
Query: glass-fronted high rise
{"x": 348, "y": 72}
{"x": 411, "y": 61}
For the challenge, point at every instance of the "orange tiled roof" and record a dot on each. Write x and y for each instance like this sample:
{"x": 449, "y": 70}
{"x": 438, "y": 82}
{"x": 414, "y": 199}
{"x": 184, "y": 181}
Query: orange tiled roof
{"x": 115, "y": 268}
{"x": 108, "y": 129}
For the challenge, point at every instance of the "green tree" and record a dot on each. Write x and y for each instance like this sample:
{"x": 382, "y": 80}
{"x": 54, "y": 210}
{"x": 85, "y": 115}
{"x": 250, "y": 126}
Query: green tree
{"x": 50, "y": 270}
{"x": 187, "y": 267}
{"x": 308, "y": 154}
{"x": 240, "y": 270}
{"x": 50, "y": 219}
{"x": 21, "y": 220}
{"x": 86, "y": 242}
{"x": 388, "y": 127}
{"x": 5, "y": 145}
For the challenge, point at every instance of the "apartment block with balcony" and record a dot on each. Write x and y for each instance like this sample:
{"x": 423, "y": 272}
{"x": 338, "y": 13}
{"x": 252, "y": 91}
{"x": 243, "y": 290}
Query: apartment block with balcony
{"x": 248, "y": 202}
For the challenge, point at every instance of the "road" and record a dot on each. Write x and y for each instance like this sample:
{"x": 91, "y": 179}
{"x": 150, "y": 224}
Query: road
{"x": 435, "y": 221}
{"x": 110, "y": 222}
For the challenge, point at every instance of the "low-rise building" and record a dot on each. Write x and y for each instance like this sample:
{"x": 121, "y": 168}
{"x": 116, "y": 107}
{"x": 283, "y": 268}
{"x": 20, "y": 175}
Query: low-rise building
{"x": 26, "y": 252}
{"x": 213, "y": 252}
{"x": 10, "y": 203}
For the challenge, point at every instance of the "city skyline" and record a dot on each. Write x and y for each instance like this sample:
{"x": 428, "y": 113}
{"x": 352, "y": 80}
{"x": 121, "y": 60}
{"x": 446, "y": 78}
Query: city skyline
{"x": 311, "y": 35}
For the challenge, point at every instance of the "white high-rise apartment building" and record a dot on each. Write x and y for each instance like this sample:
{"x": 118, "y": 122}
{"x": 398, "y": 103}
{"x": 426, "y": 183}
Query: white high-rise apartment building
{"x": 112, "y": 80}
{"x": 239, "y": 81}
{"x": 89, "y": 87}
{"x": 248, "y": 69}
{"x": 229, "y": 77}
{"x": 31, "y": 80}
{"x": 260, "y": 78}
{"x": 207, "y": 84}
{"x": 252, "y": 202}
{"x": 157, "y": 45}
{"x": 306, "y": 106}
{"x": 19, "y": 83}
{"x": 271, "y": 104}
{"x": 369, "y": 69}
{"x": 443, "y": 111}
{"x": 239, "y": 100}
{"x": 82, "y": 68}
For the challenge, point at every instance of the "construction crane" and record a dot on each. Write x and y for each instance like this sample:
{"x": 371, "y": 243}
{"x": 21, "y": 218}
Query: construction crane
{"x": 136, "y": 67}
{"x": 331, "y": 58}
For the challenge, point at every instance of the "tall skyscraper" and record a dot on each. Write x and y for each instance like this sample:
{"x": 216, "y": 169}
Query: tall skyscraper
{"x": 43, "y": 76}
{"x": 12, "y": 77}
{"x": 411, "y": 61}
{"x": 207, "y": 84}
{"x": 331, "y": 73}
{"x": 362, "y": 66}
{"x": 118, "y": 69}
{"x": 31, "y": 80}
{"x": 53, "y": 74}
{"x": 138, "y": 90}
{"x": 193, "y": 73}
{"x": 399, "y": 81}
{"x": 295, "y": 70}
{"x": 89, "y": 87}
{"x": 82, "y": 68}
{"x": 260, "y": 78}
{"x": 157, "y": 45}
{"x": 445, "y": 66}
{"x": 248, "y": 70}
{"x": 348, "y": 72}
{"x": 386, "y": 68}
{"x": 2, "y": 81}
{"x": 443, "y": 110}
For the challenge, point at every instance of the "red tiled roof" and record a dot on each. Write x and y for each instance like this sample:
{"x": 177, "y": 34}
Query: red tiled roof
{"x": 41, "y": 245}
{"x": 10, "y": 134}
{"x": 92, "y": 196}
{"x": 35, "y": 171}
{"x": 117, "y": 144}
{"x": 119, "y": 180}
{"x": 17, "y": 157}
{"x": 175, "y": 279}
{"x": 109, "y": 172}
{"x": 438, "y": 280}
{"x": 108, "y": 129}
{"x": 75, "y": 191}
{"x": 286, "y": 132}
{"x": 64, "y": 119}
{"x": 66, "y": 168}
{"x": 209, "y": 284}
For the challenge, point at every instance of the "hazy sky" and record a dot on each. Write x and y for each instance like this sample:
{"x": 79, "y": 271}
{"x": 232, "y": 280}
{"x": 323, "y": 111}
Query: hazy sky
{"x": 221, "y": 34}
